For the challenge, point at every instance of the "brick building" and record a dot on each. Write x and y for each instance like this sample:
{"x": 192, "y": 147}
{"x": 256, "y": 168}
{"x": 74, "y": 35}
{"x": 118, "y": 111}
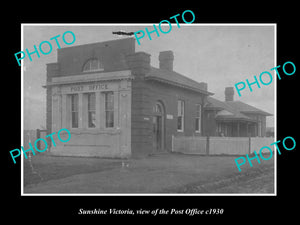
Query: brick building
{"x": 116, "y": 104}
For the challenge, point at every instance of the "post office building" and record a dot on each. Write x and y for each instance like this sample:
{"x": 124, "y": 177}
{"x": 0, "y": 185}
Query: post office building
{"x": 115, "y": 104}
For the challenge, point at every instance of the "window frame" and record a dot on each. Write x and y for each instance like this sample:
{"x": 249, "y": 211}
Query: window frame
{"x": 90, "y": 69}
{"x": 110, "y": 110}
{"x": 180, "y": 115}
{"x": 198, "y": 118}
{"x": 74, "y": 111}
{"x": 89, "y": 110}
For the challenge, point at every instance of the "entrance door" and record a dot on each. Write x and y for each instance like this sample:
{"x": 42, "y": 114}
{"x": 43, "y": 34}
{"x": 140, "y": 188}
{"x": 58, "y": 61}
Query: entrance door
{"x": 157, "y": 133}
{"x": 158, "y": 128}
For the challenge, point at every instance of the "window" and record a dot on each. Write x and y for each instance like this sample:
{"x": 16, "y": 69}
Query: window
{"x": 91, "y": 110}
{"x": 158, "y": 109}
{"x": 74, "y": 111}
{"x": 92, "y": 65}
{"x": 180, "y": 115}
{"x": 109, "y": 109}
{"x": 198, "y": 118}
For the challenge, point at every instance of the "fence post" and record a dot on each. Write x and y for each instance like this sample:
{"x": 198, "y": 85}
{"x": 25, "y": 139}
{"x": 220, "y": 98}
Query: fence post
{"x": 38, "y": 135}
{"x": 249, "y": 146}
{"x": 207, "y": 145}
{"x": 172, "y": 150}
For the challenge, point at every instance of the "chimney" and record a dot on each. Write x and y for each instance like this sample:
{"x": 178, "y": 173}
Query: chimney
{"x": 203, "y": 86}
{"x": 166, "y": 60}
{"x": 138, "y": 63}
{"x": 229, "y": 92}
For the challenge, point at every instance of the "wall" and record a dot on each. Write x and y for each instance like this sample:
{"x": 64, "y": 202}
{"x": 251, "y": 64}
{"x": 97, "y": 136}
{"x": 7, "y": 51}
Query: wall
{"x": 110, "y": 53}
{"x": 90, "y": 143}
{"x": 99, "y": 141}
{"x": 141, "y": 122}
{"x": 145, "y": 94}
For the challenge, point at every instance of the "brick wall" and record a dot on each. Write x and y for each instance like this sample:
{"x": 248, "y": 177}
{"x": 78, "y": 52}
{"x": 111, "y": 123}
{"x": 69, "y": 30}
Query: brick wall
{"x": 145, "y": 95}
{"x": 111, "y": 54}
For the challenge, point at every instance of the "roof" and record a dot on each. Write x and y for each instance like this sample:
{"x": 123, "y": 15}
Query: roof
{"x": 233, "y": 110}
{"x": 226, "y": 111}
{"x": 177, "y": 79}
{"x": 245, "y": 108}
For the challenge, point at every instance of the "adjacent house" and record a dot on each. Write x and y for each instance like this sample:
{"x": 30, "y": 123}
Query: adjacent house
{"x": 233, "y": 118}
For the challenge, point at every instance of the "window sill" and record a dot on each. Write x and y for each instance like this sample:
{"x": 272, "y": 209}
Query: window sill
{"x": 92, "y": 71}
{"x": 95, "y": 131}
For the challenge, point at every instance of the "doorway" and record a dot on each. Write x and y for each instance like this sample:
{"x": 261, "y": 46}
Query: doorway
{"x": 158, "y": 122}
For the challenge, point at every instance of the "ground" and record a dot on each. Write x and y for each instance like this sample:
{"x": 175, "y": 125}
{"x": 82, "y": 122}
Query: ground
{"x": 161, "y": 173}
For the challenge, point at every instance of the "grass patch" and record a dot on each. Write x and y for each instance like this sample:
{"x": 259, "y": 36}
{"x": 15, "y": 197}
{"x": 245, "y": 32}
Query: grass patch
{"x": 44, "y": 167}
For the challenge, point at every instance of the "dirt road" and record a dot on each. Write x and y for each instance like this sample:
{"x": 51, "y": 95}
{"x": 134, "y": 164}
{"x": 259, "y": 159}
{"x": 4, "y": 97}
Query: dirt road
{"x": 169, "y": 173}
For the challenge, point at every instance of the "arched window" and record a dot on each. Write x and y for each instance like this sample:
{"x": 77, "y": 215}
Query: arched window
{"x": 158, "y": 109}
{"x": 92, "y": 65}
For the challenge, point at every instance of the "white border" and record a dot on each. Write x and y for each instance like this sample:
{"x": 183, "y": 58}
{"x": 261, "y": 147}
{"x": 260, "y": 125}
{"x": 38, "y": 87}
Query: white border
{"x": 151, "y": 194}
{"x": 22, "y": 112}
{"x": 275, "y": 110}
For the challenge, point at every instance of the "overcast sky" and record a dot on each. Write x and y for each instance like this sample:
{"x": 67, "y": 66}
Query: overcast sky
{"x": 220, "y": 55}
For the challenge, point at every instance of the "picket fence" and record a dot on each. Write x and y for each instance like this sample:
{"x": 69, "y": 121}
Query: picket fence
{"x": 220, "y": 145}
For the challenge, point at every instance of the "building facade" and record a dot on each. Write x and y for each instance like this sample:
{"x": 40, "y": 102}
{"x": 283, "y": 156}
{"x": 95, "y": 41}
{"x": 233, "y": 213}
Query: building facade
{"x": 89, "y": 93}
{"x": 115, "y": 104}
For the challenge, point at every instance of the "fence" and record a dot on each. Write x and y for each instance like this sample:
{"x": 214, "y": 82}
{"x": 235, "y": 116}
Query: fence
{"x": 220, "y": 145}
{"x": 31, "y": 136}
{"x": 197, "y": 145}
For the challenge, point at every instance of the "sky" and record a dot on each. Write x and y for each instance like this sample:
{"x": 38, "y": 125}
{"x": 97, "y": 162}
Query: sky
{"x": 220, "y": 55}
